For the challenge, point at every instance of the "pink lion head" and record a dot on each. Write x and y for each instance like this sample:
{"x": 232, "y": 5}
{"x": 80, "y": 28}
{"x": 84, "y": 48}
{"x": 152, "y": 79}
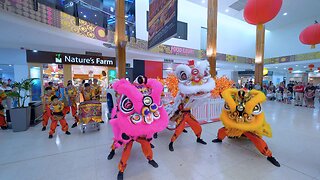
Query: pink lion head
{"x": 139, "y": 111}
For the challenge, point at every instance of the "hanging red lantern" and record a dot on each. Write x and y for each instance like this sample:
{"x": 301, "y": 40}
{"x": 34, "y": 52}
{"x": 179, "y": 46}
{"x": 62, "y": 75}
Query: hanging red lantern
{"x": 259, "y": 12}
{"x": 319, "y": 69}
{"x": 290, "y": 70}
{"x": 311, "y": 35}
{"x": 311, "y": 66}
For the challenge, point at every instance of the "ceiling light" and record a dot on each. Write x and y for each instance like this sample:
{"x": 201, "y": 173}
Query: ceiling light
{"x": 0, "y": 69}
{"x": 284, "y": 68}
{"x": 95, "y": 15}
{"x": 305, "y": 66}
{"x": 227, "y": 10}
{"x": 84, "y": 16}
{"x": 81, "y": 12}
{"x": 276, "y": 67}
{"x": 34, "y": 51}
{"x": 285, "y": 14}
{"x": 203, "y": 1}
{"x": 297, "y": 65}
{"x": 10, "y": 65}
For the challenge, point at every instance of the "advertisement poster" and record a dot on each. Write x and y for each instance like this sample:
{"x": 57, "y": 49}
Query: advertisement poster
{"x": 162, "y": 21}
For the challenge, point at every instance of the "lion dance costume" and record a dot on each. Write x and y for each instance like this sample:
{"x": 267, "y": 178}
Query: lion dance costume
{"x": 243, "y": 116}
{"x": 139, "y": 114}
{"x": 195, "y": 84}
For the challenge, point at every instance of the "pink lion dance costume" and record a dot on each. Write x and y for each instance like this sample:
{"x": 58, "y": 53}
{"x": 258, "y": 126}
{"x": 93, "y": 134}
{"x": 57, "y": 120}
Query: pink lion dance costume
{"x": 137, "y": 116}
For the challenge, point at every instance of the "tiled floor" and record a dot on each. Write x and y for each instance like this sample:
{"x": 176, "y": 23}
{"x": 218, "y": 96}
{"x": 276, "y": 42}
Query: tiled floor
{"x": 31, "y": 155}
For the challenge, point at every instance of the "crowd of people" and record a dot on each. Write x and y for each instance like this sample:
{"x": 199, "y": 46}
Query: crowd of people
{"x": 301, "y": 94}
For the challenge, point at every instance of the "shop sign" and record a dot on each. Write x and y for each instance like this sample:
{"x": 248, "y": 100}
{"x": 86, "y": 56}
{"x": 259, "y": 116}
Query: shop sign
{"x": 64, "y": 58}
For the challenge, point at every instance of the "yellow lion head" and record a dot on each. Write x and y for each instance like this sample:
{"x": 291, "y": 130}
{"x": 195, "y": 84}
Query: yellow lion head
{"x": 243, "y": 112}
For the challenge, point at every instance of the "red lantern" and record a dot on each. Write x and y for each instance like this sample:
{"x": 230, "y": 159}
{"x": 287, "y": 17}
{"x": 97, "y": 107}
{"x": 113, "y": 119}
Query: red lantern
{"x": 311, "y": 35}
{"x": 311, "y": 66}
{"x": 290, "y": 70}
{"x": 258, "y": 12}
{"x": 318, "y": 68}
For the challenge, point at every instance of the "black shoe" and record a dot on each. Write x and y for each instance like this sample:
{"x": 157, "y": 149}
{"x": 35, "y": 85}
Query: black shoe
{"x": 68, "y": 133}
{"x": 44, "y": 128}
{"x": 74, "y": 125}
{"x": 120, "y": 176}
{"x": 111, "y": 154}
{"x": 152, "y": 146}
{"x": 155, "y": 135}
{"x": 185, "y": 131}
{"x": 217, "y": 141}
{"x": 153, "y": 163}
{"x": 201, "y": 141}
{"x": 102, "y": 122}
{"x": 4, "y": 127}
{"x": 50, "y": 136}
{"x": 273, "y": 161}
{"x": 171, "y": 146}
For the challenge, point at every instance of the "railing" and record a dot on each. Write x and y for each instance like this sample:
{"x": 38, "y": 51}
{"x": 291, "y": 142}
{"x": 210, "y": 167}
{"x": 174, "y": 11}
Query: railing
{"x": 209, "y": 110}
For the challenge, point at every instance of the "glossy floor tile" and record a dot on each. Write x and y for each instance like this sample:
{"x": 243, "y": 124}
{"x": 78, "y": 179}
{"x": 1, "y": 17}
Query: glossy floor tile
{"x": 31, "y": 155}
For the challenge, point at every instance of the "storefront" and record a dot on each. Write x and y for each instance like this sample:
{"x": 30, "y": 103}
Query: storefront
{"x": 60, "y": 67}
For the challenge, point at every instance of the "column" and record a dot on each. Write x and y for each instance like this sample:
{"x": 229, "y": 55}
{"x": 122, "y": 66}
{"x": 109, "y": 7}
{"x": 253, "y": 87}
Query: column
{"x": 120, "y": 38}
{"x": 67, "y": 74}
{"x": 259, "y": 61}
{"x": 212, "y": 26}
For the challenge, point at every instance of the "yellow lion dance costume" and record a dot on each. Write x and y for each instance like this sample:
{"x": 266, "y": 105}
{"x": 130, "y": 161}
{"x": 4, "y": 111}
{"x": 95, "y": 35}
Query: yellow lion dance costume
{"x": 243, "y": 116}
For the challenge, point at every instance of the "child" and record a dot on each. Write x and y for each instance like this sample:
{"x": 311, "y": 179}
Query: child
{"x": 46, "y": 100}
{"x": 57, "y": 108}
{"x": 285, "y": 96}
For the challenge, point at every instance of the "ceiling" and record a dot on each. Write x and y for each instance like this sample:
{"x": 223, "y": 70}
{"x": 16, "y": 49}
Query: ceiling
{"x": 6, "y": 69}
{"x": 297, "y": 11}
{"x": 17, "y": 32}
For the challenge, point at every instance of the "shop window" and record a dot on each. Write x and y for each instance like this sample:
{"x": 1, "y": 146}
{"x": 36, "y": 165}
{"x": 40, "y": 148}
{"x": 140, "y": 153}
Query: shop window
{"x": 182, "y": 30}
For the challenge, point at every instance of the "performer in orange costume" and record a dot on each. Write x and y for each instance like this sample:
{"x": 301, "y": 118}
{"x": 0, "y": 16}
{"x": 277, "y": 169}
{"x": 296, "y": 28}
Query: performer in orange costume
{"x": 72, "y": 93}
{"x": 3, "y": 123}
{"x": 58, "y": 114}
{"x": 195, "y": 84}
{"x": 46, "y": 100}
{"x": 243, "y": 116}
{"x": 88, "y": 93}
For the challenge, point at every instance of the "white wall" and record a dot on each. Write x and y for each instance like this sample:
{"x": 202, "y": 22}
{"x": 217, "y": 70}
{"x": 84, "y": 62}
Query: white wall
{"x": 12, "y": 56}
{"x": 285, "y": 41}
{"x": 234, "y": 36}
{"x": 227, "y": 73}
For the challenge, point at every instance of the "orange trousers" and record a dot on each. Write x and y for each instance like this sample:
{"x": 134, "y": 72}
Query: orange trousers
{"x": 260, "y": 144}
{"x": 46, "y": 116}
{"x": 187, "y": 117}
{"x": 54, "y": 123}
{"x": 146, "y": 149}
{"x": 2, "y": 120}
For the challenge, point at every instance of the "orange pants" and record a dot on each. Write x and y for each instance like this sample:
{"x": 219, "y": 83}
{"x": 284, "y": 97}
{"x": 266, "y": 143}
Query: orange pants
{"x": 187, "y": 117}
{"x": 260, "y": 144}
{"x": 146, "y": 149}
{"x": 54, "y": 123}
{"x": 46, "y": 116}
{"x": 2, "y": 121}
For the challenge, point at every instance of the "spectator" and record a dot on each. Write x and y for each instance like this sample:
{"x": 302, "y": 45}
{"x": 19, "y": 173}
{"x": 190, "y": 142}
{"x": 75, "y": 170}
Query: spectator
{"x": 257, "y": 87}
{"x": 310, "y": 95}
{"x": 299, "y": 90}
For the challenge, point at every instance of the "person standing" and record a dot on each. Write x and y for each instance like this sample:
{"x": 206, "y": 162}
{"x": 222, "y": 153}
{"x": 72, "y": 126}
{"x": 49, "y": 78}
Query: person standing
{"x": 96, "y": 89}
{"x": 299, "y": 90}
{"x": 310, "y": 92}
{"x": 72, "y": 94}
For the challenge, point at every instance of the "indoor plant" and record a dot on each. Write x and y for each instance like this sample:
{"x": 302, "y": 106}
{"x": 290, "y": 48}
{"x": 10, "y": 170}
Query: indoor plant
{"x": 20, "y": 115}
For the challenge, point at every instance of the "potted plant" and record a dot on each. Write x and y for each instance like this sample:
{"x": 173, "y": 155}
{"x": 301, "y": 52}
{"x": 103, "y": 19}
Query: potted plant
{"x": 20, "y": 115}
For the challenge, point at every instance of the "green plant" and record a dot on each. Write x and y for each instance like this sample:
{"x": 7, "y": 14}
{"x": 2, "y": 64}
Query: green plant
{"x": 21, "y": 91}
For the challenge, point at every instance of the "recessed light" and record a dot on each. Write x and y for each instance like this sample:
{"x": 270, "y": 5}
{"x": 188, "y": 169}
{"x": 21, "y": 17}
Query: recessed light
{"x": 84, "y": 16}
{"x": 285, "y": 14}
{"x": 276, "y": 67}
{"x": 284, "y": 68}
{"x": 95, "y": 15}
{"x": 297, "y": 65}
{"x": 227, "y": 10}
{"x": 34, "y": 51}
{"x": 203, "y": 1}
{"x": 10, "y": 65}
{"x": 81, "y": 12}
{"x": 305, "y": 66}
{"x": 0, "y": 69}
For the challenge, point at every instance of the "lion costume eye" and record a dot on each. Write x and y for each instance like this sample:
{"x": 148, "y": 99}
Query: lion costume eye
{"x": 135, "y": 118}
{"x": 226, "y": 107}
{"x": 126, "y": 105}
{"x": 257, "y": 109}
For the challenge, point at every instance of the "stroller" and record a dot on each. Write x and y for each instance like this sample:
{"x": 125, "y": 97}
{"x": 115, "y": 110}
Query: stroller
{"x": 90, "y": 114}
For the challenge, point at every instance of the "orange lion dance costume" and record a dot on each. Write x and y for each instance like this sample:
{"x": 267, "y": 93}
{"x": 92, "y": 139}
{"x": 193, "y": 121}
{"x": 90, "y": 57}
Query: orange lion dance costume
{"x": 195, "y": 84}
{"x": 243, "y": 116}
